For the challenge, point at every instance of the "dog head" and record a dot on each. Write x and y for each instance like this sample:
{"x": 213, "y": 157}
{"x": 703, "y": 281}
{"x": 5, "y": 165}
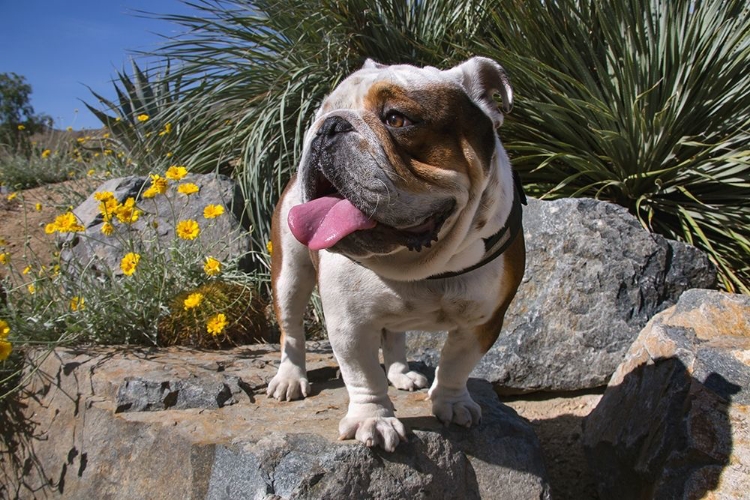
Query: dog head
{"x": 402, "y": 169}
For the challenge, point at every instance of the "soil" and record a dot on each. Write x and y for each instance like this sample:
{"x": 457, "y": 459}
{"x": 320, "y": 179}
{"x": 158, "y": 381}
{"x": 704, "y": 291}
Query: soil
{"x": 22, "y": 228}
{"x": 556, "y": 418}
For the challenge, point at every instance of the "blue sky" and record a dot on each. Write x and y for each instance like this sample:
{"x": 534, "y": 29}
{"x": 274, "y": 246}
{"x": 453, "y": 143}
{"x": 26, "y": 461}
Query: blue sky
{"x": 60, "y": 46}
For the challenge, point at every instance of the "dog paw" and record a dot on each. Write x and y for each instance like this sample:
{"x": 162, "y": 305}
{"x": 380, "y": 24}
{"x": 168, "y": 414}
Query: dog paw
{"x": 455, "y": 407}
{"x": 386, "y": 432}
{"x": 288, "y": 385}
{"x": 409, "y": 381}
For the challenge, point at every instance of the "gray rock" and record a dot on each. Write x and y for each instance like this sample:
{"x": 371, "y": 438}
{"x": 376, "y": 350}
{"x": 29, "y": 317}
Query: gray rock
{"x": 673, "y": 420}
{"x": 223, "y": 237}
{"x": 594, "y": 277}
{"x": 84, "y": 445}
{"x": 136, "y": 394}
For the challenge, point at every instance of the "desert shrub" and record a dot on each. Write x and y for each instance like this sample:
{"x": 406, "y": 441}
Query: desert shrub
{"x": 68, "y": 301}
{"x": 645, "y": 104}
{"x": 212, "y": 304}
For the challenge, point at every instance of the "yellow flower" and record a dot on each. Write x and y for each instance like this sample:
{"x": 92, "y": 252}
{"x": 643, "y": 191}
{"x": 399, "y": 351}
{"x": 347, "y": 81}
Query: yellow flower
{"x": 212, "y": 211}
{"x": 12, "y": 196}
{"x": 38, "y": 207}
{"x": 32, "y": 289}
{"x": 104, "y": 195}
{"x": 69, "y": 129}
{"x": 142, "y": 118}
{"x": 129, "y": 263}
{"x": 91, "y": 172}
{"x": 188, "y": 188}
{"x": 167, "y": 129}
{"x": 212, "y": 267}
{"x": 188, "y": 229}
{"x": 193, "y": 300}
{"x": 108, "y": 204}
{"x": 77, "y": 303}
{"x": 108, "y": 229}
{"x": 46, "y": 153}
{"x": 158, "y": 186}
{"x": 4, "y": 329}
{"x": 81, "y": 140}
{"x": 65, "y": 223}
{"x": 4, "y": 258}
{"x": 176, "y": 172}
{"x": 127, "y": 213}
{"x": 106, "y": 135}
{"x": 269, "y": 247}
{"x": 21, "y": 127}
{"x": 26, "y": 270}
{"x": 217, "y": 324}
{"x": 169, "y": 154}
{"x": 5, "y": 349}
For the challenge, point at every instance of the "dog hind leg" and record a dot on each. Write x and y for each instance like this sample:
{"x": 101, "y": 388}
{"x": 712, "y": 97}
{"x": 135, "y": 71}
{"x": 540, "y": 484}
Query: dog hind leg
{"x": 396, "y": 366}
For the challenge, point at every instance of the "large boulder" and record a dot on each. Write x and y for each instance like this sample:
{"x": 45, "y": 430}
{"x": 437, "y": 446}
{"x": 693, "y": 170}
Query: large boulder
{"x": 673, "y": 422}
{"x": 594, "y": 277}
{"x": 223, "y": 237}
{"x": 181, "y": 423}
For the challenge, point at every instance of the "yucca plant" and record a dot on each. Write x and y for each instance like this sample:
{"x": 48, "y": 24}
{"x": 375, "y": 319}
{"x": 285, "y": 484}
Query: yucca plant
{"x": 644, "y": 103}
{"x": 138, "y": 121}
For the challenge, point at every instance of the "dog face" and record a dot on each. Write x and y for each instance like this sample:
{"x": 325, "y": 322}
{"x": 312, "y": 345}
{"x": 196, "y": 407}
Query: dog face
{"x": 402, "y": 162}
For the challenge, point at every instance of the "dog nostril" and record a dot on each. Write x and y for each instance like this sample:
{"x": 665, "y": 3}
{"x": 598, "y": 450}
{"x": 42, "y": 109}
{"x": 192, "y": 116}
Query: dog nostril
{"x": 335, "y": 125}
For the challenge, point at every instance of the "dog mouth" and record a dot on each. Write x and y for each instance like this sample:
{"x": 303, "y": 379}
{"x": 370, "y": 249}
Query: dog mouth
{"x": 329, "y": 217}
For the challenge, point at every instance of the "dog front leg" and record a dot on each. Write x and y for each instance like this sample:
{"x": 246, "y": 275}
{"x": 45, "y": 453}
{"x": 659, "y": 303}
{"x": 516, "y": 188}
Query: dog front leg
{"x": 293, "y": 279}
{"x": 370, "y": 418}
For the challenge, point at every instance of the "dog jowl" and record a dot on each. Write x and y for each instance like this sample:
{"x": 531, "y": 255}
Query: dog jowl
{"x": 407, "y": 215}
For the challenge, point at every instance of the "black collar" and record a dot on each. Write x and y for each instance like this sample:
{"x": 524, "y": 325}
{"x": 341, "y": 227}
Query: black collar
{"x": 495, "y": 245}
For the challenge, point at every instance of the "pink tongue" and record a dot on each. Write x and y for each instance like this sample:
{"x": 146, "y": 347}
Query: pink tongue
{"x": 321, "y": 223}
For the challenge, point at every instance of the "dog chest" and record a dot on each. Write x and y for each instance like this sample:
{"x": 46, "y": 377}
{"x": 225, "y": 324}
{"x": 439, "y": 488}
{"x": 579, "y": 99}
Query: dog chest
{"x": 357, "y": 295}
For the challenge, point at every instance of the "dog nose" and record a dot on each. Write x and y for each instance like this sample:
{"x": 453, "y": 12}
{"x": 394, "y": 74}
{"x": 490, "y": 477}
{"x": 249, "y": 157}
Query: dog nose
{"x": 334, "y": 125}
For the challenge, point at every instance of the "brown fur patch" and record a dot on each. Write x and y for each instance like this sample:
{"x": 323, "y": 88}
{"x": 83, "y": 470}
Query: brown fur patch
{"x": 514, "y": 266}
{"x": 277, "y": 254}
{"x": 450, "y": 133}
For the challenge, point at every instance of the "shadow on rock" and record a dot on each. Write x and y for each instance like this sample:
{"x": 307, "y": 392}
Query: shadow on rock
{"x": 661, "y": 433}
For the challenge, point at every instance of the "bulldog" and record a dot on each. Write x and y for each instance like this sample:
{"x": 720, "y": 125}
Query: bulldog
{"x": 407, "y": 214}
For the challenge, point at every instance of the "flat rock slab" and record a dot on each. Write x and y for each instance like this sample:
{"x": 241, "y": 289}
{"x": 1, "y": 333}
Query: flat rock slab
{"x": 180, "y": 423}
{"x": 673, "y": 422}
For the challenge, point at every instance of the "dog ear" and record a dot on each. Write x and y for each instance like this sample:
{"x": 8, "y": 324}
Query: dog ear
{"x": 481, "y": 78}
{"x": 370, "y": 64}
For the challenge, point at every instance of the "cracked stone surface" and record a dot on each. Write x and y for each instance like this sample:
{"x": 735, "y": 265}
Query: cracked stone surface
{"x": 181, "y": 423}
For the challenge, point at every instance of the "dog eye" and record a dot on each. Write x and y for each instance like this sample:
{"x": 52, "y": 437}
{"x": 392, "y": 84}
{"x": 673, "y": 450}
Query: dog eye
{"x": 397, "y": 120}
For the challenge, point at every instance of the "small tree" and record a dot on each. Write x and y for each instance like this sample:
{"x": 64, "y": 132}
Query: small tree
{"x": 17, "y": 118}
